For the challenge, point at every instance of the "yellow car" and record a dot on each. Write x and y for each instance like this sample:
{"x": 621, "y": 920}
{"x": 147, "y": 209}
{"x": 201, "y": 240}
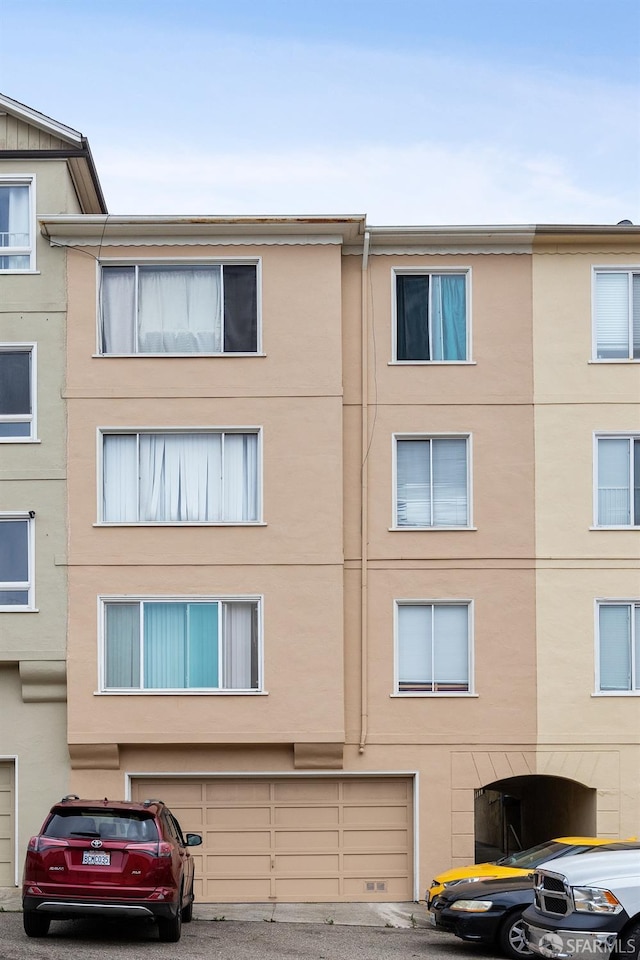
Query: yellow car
{"x": 517, "y": 864}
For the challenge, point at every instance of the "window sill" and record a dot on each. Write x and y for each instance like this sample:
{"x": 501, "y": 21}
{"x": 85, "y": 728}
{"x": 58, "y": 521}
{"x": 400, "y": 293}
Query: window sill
{"x": 184, "y": 523}
{"x": 615, "y": 360}
{"x": 431, "y": 363}
{"x": 171, "y": 356}
{"x": 626, "y": 526}
{"x": 19, "y": 273}
{"x": 428, "y": 529}
{"x": 20, "y": 440}
{"x": 19, "y": 609}
{"x": 436, "y": 695}
{"x": 616, "y": 693}
{"x": 180, "y": 693}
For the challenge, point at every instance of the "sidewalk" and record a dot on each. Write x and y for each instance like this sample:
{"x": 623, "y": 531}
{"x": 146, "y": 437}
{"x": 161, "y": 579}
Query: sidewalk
{"x": 349, "y": 914}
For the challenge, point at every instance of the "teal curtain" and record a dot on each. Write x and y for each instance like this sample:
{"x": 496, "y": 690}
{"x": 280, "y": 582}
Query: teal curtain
{"x": 165, "y": 660}
{"x": 203, "y": 645}
{"x": 448, "y": 317}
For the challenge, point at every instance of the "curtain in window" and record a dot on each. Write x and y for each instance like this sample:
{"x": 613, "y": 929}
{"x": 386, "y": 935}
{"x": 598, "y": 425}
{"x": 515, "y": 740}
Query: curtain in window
{"x": 179, "y": 310}
{"x": 14, "y": 216}
{"x": 120, "y": 478}
{"x": 414, "y": 483}
{"x": 165, "y": 649}
{"x": 449, "y": 486}
{"x": 451, "y": 649}
{"x": 239, "y": 647}
{"x": 122, "y": 640}
{"x": 448, "y": 317}
{"x": 415, "y": 647}
{"x": 615, "y": 646}
{"x": 14, "y": 562}
{"x": 412, "y": 309}
{"x": 612, "y": 315}
{"x": 240, "y": 476}
{"x": 117, "y": 298}
{"x": 203, "y": 645}
{"x": 614, "y": 500}
{"x": 180, "y": 477}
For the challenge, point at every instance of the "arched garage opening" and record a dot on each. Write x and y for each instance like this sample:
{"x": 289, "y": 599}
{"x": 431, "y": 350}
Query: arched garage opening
{"x": 519, "y": 812}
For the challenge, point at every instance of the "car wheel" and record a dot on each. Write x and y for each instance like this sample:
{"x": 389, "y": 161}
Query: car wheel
{"x": 511, "y": 937}
{"x": 187, "y": 912}
{"x": 629, "y": 944}
{"x": 170, "y": 928}
{"x": 35, "y": 924}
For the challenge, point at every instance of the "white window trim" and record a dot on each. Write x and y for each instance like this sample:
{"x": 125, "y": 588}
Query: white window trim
{"x": 104, "y": 599}
{"x": 30, "y": 606}
{"x": 430, "y": 271}
{"x": 607, "y": 268}
{"x": 394, "y": 493}
{"x": 22, "y": 179}
{"x": 424, "y": 602}
{"x": 102, "y": 431}
{"x": 600, "y": 602}
{"x": 623, "y": 435}
{"x": 178, "y": 262}
{"x": 7, "y": 347}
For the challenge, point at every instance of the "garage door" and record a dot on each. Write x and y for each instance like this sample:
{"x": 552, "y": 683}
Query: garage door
{"x": 296, "y": 839}
{"x": 7, "y": 868}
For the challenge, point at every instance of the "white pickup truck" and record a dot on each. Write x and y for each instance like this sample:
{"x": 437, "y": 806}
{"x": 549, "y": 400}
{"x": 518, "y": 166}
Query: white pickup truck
{"x": 586, "y": 906}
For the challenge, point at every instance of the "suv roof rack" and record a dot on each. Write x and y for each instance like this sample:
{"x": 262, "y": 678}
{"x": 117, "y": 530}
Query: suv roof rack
{"x": 147, "y": 803}
{"x": 70, "y": 796}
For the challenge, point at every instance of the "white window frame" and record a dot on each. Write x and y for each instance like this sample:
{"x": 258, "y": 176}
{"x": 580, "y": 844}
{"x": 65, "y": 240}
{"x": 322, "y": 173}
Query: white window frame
{"x": 629, "y": 271}
{"x": 604, "y": 602}
{"x": 31, "y": 418}
{"x": 105, "y": 599}
{"x": 109, "y": 431}
{"x": 422, "y": 602}
{"x": 21, "y": 180}
{"x": 630, "y": 435}
{"x": 424, "y": 272}
{"x": 173, "y": 262}
{"x": 432, "y": 436}
{"x": 29, "y": 585}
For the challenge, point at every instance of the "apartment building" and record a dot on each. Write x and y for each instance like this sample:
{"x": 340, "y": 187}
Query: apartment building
{"x": 353, "y": 561}
{"x": 45, "y": 167}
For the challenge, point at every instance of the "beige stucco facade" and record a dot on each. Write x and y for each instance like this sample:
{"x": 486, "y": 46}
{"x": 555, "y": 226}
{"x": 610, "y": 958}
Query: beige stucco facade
{"x": 329, "y": 772}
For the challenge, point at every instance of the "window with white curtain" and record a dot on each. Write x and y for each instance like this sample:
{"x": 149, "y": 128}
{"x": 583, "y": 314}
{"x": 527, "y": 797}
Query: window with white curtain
{"x": 431, "y": 317}
{"x": 16, "y": 562}
{"x": 200, "y": 477}
{"x": 619, "y": 646}
{"x": 177, "y": 644}
{"x": 432, "y": 482}
{"x": 433, "y": 647}
{"x": 16, "y": 232}
{"x": 618, "y": 481}
{"x": 17, "y": 372}
{"x": 617, "y": 314}
{"x": 178, "y": 308}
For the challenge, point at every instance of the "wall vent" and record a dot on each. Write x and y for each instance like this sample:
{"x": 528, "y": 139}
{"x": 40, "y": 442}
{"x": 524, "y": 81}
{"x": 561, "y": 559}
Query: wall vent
{"x": 375, "y": 886}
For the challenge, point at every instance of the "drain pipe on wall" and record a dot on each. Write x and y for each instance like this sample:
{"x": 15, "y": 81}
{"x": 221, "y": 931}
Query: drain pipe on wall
{"x": 364, "y": 499}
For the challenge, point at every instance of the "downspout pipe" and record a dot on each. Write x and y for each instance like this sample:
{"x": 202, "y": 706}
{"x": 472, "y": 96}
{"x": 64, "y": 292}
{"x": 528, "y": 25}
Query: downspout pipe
{"x": 364, "y": 497}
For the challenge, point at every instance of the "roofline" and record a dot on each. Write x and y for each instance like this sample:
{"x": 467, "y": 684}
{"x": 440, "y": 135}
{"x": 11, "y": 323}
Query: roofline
{"x": 78, "y": 155}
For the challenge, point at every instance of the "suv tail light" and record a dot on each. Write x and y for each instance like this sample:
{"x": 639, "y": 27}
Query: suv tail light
{"x": 165, "y": 849}
{"x": 39, "y": 844}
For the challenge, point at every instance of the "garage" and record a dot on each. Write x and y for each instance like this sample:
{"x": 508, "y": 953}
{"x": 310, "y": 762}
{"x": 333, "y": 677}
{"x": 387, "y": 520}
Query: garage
{"x": 7, "y": 865}
{"x": 295, "y": 839}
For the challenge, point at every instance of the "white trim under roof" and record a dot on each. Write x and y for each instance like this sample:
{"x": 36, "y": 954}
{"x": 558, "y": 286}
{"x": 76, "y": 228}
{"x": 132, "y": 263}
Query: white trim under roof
{"x": 20, "y": 110}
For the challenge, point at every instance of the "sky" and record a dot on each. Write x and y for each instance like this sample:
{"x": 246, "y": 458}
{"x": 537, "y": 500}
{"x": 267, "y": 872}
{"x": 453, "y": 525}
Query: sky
{"x": 408, "y": 111}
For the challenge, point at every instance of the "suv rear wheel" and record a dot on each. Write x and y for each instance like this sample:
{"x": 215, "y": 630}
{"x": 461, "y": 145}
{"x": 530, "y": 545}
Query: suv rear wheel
{"x": 170, "y": 928}
{"x": 35, "y": 924}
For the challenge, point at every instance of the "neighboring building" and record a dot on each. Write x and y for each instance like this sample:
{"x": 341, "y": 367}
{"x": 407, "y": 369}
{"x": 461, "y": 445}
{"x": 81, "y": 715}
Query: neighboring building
{"x": 354, "y": 574}
{"x": 45, "y": 167}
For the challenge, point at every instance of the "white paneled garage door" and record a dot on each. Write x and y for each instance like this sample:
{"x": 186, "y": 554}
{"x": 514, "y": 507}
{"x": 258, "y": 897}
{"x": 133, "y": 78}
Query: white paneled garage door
{"x": 295, "y": 839}
{"x": 7, "y": 826}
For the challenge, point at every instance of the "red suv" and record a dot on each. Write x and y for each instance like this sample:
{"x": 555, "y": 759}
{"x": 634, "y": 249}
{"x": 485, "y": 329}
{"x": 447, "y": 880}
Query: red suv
{"x": 106, "y": 858}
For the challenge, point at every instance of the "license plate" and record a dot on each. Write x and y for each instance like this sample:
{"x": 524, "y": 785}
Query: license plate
{"x": 432, "y": 918}
{"x": 96, "y": 859}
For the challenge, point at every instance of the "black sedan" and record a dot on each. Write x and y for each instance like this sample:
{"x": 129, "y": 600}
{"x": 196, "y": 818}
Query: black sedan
{"x": 486, "y": 911}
